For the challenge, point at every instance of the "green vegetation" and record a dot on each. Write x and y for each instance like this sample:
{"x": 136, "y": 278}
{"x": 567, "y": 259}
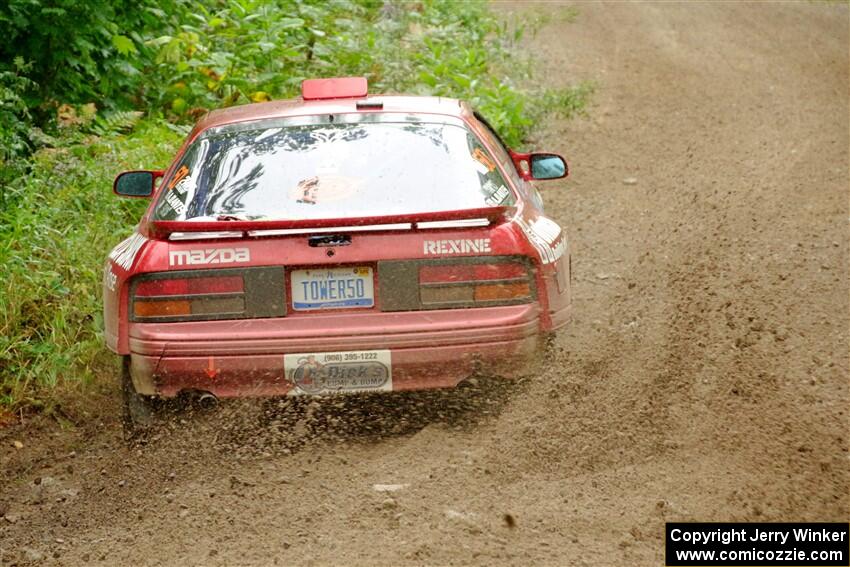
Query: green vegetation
{"x": 52, "y": 245}
{"x": 89, "y": 89}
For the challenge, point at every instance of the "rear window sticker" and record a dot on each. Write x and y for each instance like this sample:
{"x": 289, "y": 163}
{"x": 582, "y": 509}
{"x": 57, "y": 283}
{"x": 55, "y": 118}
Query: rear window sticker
{"x": 325, "y": 188}
{"x": 307, "y": 189}
{"x": 175, "y": 203}
{"x": 495, "y": 195}
{"x": 185, "y": 184}
{"x": 482, "y": 158}
{"x": 181, "y": 173}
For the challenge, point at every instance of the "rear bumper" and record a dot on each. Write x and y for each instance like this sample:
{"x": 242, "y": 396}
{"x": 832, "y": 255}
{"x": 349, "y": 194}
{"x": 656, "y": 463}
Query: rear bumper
{"x": 429, "y": 349}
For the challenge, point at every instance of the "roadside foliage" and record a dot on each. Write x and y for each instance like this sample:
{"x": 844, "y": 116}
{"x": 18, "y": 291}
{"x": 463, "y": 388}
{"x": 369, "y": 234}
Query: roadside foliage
{"x": 88, "y": 89}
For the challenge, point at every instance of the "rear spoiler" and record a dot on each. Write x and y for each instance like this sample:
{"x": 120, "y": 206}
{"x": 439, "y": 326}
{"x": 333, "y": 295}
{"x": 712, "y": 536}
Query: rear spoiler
{"x": 442, "y": 219}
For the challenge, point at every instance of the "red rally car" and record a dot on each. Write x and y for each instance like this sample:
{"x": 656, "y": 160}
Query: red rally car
{"x": 339, "y": 242}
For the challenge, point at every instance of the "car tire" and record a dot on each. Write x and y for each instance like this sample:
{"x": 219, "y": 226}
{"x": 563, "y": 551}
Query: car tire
{"x": 140, "y": 412}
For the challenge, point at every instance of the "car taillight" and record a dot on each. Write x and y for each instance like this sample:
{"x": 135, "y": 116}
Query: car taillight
{"x": 469, "y": 284}
{"x": 497, "y": 291}
{"x": 453, "y": 283}
{"x": 191, "y": 295}
{"x": 175, "y": 296}
{"x": 190, "y": 286}
{"x": 167, "y": 308}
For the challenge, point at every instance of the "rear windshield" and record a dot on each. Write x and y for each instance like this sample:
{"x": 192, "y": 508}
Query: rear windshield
{"x": 339, "y": 166}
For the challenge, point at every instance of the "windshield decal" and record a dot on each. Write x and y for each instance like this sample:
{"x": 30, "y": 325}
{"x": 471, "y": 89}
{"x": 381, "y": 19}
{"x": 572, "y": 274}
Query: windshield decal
{"x": 181, "y": 173}
{"x": 308, "y": 189}
{"x": 324, "y": 188}
{"x": 482, "y": 158}
{"x": 175, "y": 203}
{"x": 182, "y": 185}
{"x": 495, "y": 195}
{"x": 186, "y": 184}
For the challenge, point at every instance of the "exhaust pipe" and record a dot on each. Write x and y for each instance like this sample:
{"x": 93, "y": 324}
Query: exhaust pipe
{"x": 207, "y": 401}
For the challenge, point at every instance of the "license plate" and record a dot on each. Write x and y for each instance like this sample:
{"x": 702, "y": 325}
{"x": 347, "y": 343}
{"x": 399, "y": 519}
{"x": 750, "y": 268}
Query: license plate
{"x": 329, "y": 372}
{"x": 333, "y": 288}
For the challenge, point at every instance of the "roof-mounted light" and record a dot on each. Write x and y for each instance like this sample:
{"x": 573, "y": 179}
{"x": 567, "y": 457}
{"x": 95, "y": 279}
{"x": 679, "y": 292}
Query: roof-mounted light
{"x": 341, "y": 87}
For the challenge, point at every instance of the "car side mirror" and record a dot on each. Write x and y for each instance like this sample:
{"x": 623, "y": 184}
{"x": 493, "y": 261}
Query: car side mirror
{"x": 540, "y": 166}
{"x": 548, "y": 166}
{"x": 135, "y": 183}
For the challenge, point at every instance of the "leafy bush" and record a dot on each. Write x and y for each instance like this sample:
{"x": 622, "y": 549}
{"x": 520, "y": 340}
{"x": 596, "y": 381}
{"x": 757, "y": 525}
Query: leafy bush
{"x": 17, "y": 134}
{"x": 79, "y": 52}
{"x": 14, "y": 113}
{"x": 253, "y": 50}
{"x": 180, "y": 57}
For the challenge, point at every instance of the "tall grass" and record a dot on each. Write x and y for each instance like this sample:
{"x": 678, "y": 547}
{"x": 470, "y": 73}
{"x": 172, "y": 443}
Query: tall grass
{"x": 61, "y": 222}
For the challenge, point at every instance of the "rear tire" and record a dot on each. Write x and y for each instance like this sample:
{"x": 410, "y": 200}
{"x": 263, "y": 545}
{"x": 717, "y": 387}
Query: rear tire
{"x": 140, "y": 412}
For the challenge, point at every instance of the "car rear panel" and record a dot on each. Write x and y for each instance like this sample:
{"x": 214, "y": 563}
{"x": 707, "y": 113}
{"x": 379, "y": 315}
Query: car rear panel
{"x": 432, "y": 345}
{"x": 216, "y": 313}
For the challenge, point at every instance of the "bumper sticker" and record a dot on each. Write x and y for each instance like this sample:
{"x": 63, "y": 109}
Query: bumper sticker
{"x": 329, "y": 372}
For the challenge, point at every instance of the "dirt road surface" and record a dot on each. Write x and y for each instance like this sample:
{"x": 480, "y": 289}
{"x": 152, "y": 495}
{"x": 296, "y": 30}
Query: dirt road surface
{"x": 705, "y": 375}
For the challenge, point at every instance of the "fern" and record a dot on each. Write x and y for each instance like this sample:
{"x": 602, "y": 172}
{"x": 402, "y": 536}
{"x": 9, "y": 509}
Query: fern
{"x": 118, "y": 121}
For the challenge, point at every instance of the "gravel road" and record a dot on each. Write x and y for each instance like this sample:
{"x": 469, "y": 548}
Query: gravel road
{"x": 704, "y": 377}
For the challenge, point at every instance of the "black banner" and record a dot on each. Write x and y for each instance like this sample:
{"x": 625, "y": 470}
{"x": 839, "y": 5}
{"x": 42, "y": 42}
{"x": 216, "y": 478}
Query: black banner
{"x": 757, "y": 544}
